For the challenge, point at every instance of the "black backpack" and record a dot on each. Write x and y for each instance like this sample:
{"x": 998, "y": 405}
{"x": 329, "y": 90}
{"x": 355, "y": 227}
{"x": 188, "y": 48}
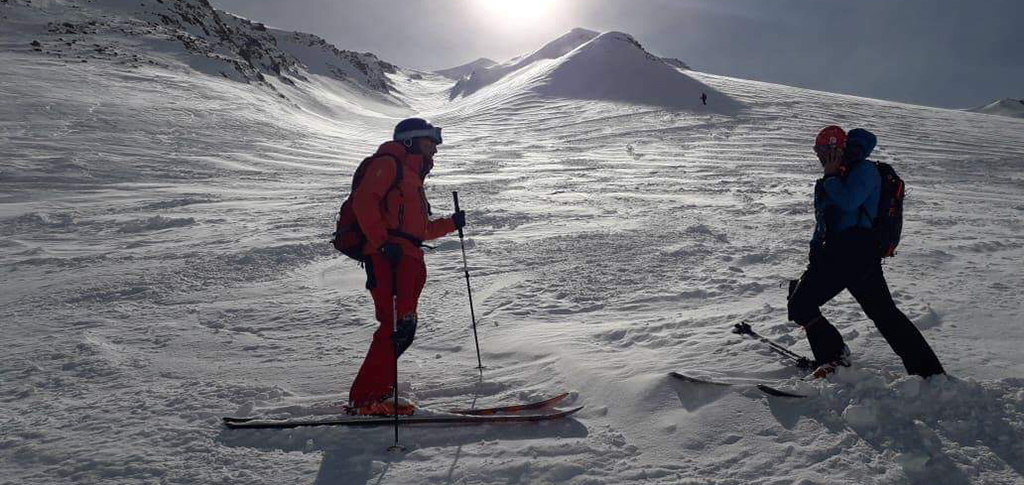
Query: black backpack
{"x": 888, "y": 223}
{"x": 348, "y": 236}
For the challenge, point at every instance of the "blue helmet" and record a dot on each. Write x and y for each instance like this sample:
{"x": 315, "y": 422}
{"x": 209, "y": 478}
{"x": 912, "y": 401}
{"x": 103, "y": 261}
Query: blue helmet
{"x": 410, "y": 128}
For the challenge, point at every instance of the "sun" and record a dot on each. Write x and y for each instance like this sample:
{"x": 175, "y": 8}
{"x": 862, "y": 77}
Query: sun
{"x": 516, "y": 11}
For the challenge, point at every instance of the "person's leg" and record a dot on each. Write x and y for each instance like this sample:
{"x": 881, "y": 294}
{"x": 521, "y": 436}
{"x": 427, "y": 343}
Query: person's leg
{"x": 374, "y": 380}
{"x": 905, "y": 339}
{"x": 410, "y": 285}
{"x": 819, "y": 284}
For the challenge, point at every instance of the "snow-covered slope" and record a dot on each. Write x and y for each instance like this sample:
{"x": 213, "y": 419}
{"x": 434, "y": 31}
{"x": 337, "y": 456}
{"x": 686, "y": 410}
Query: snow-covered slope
{"x": 1003, "y": 107}
{"x": 164, "y": 259}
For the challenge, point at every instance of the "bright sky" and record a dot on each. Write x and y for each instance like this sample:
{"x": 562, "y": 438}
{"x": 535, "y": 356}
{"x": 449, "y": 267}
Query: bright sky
{"x": 949, "y": 53}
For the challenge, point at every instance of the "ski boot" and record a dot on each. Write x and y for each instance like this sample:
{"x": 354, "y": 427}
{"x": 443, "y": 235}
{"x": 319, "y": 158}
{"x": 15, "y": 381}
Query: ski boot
{"x": 829, "y": 368}
{"x": 384, "y": 407}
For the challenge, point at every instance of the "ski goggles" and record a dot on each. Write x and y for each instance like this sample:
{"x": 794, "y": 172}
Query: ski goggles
{"x": 434, "y": 133}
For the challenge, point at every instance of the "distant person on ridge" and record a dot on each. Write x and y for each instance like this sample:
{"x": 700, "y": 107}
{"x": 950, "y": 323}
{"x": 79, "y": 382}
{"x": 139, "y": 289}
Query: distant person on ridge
{"x": 392, "y": 211}
{"x": 845, "y": 255}
{"x": 704, "y": 98}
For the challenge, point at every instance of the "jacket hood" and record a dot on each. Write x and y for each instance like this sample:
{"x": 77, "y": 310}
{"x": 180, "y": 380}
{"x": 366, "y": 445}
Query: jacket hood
{"x": 863, "y": 139}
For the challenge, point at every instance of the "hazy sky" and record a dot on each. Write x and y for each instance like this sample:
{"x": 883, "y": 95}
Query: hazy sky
{"x": 949, "y": 53}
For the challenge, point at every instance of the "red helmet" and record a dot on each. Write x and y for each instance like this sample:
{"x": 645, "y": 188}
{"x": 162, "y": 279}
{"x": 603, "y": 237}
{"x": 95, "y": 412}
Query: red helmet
{"x": 833, "y": 136}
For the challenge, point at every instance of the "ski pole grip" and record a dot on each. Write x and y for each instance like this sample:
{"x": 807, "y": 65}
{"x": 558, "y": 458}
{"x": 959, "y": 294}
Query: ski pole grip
{"x": 455, "y": 195}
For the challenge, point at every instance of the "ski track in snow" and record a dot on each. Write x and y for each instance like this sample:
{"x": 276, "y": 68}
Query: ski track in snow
{"x": 165, "y": 261}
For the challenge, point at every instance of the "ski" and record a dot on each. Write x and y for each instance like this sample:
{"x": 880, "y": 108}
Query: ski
{"x": 697, "y": 380}
{"x": 514, "y": 409}
{"x": 407, "y": 420}
{"x": 769, "y": 390}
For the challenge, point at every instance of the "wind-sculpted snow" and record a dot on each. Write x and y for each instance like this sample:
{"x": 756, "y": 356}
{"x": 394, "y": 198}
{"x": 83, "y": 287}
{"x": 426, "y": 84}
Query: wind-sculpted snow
{"x": 163, "y": 238}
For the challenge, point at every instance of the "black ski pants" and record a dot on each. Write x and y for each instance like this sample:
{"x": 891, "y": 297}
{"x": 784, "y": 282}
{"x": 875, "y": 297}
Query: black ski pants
{"x": 851, "y": 262}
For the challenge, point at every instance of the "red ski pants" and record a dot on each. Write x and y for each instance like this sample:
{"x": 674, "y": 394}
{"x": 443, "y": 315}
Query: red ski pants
{"x": 377, "y": 375}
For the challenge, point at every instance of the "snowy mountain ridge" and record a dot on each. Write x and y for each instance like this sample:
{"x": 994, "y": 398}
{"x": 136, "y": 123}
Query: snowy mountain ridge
{"x": 191, "y": 32}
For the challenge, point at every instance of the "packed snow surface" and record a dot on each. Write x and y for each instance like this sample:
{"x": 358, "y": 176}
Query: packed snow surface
{"x": 165, "y": 205}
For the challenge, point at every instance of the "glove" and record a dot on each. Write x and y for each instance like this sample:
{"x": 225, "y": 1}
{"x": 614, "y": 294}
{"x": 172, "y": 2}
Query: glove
{"x": 392, "y": 252}
{"x": 459, "y": 218}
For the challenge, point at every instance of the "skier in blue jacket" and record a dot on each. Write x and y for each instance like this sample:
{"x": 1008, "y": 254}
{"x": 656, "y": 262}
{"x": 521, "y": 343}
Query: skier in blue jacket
{"x": 845, "y": 255}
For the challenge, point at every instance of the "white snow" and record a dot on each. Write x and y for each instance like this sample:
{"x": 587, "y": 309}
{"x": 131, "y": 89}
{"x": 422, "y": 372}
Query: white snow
{"x": 163, "y": 238}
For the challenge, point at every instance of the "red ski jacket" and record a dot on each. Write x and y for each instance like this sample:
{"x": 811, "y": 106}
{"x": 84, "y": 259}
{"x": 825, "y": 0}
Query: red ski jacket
{"x": 387, "y": 214}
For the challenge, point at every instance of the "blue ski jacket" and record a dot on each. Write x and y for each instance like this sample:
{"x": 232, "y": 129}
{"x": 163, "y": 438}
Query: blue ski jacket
{"x": 850, "y": 201}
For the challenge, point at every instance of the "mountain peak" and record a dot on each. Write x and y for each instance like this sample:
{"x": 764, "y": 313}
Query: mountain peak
{"x": 459, "y": 72}
{"x": 1011, "y": 107}
{"x": 614, "y": 66}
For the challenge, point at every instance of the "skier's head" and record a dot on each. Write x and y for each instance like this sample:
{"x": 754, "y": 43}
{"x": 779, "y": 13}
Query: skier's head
{"x": 859, "y": 144}
{"x": 831, "y": 139}
{"x": 418, "y": 136}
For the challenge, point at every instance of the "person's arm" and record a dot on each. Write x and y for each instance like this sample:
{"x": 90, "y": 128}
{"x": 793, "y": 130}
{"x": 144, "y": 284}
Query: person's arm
{"x": 818, "y": 239}
{"x": 368, "y": 200}
{"x": 851, "y": 192}
{"x": 439, "y": 227}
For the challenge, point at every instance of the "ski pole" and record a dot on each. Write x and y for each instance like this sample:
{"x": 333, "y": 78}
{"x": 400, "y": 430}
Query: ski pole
{"x": 469, "y": 289}
{"x": 801, "y": 361}
{"x": 394, "y": 341}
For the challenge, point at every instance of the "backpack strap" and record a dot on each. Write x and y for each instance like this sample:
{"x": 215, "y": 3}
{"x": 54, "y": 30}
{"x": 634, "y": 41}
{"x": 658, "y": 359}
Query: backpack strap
{"x": 399, "y": 171}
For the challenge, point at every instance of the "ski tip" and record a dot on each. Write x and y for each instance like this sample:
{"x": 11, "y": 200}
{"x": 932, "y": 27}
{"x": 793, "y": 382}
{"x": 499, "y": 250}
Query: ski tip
{"x": 771, "y": 391}
{"x": 696, "y": 380}
{"x": 572, "y": 411}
